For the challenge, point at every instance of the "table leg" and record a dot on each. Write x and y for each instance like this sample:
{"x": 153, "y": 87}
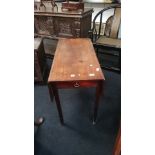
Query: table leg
{"x": 57, "y": 100}
{"x": 50, "y": 92}
{"x": 117, "y": 146}
{"x": 98, "y": 94}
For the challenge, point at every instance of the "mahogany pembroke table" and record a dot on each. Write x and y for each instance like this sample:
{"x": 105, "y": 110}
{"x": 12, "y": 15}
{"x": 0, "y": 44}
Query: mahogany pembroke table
{"x": 75, "y": 65}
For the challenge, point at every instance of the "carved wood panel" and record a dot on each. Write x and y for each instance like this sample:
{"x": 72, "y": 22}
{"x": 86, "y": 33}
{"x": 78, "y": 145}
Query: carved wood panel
{"x": 77, "y": 24}
{"x": 64, "y": 27}
{"x": 44, "y": 25}
{"x": 63, "y": 24}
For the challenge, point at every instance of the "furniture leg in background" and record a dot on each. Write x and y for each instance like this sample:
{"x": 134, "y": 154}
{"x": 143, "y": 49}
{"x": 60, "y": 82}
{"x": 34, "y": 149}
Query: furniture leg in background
{"x": 39, "y": 60}
{"x": 39, "y": 121}
{"x": 117, "y": 146}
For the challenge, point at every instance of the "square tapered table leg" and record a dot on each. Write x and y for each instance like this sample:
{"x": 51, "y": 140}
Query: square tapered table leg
{"x": 53, "y": 90}
{"x": 99, "y": 89}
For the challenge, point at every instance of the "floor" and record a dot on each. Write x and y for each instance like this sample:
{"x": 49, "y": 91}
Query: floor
{"x": 78, "y": 136}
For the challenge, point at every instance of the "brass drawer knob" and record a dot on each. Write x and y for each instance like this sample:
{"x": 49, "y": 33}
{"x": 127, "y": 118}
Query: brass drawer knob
{"x": 76, "y": 85}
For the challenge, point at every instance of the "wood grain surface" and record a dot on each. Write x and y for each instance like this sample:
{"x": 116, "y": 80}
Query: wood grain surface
{"x": 48, "y": 11}
{"x": 75, "y": 60}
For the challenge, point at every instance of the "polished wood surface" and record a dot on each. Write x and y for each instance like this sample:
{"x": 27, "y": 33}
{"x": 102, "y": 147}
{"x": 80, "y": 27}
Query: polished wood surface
{"x": 75, "y": 60}
{"x": 60, "y": 12}
{"x": 117, "y": 146}
{"x": 75, "y": 65}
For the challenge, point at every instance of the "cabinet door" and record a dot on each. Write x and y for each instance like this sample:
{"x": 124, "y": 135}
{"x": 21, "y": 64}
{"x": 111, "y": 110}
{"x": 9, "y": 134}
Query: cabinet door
{"x": 66, "y": 27}
{"x": 37, "y": 70}
{"x": 44, "y": 25}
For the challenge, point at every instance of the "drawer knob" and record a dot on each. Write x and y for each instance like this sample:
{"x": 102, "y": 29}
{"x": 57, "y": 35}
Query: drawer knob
{"x": 76, "y": 85}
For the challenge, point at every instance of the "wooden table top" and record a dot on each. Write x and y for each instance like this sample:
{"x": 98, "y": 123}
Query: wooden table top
{"x": 48, "y": 11}
{"x": 75, "y": 60}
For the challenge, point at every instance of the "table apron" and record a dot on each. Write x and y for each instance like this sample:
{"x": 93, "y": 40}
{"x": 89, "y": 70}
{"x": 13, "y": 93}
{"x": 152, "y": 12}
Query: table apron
{"x": 74, "y": 84}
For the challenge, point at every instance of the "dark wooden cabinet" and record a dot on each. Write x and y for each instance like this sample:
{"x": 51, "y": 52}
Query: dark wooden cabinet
{"x": 39, "y": 60}
{"x": 63, "y": 24}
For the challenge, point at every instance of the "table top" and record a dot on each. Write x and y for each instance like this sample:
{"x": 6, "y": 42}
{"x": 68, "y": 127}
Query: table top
{"x": 48, "y": 11}
{"x": 75, "y": 60}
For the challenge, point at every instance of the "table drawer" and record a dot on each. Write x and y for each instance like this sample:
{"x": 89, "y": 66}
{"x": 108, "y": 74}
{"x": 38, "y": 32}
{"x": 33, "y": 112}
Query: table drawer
{"x": 75, "y": 84}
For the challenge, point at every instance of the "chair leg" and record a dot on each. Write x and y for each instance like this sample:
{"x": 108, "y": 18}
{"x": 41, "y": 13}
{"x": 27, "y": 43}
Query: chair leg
{"x": 119, "y": 60}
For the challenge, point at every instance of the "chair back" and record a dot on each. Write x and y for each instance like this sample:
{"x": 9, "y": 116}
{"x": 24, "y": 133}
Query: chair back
{"x": 107, "y": 22}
